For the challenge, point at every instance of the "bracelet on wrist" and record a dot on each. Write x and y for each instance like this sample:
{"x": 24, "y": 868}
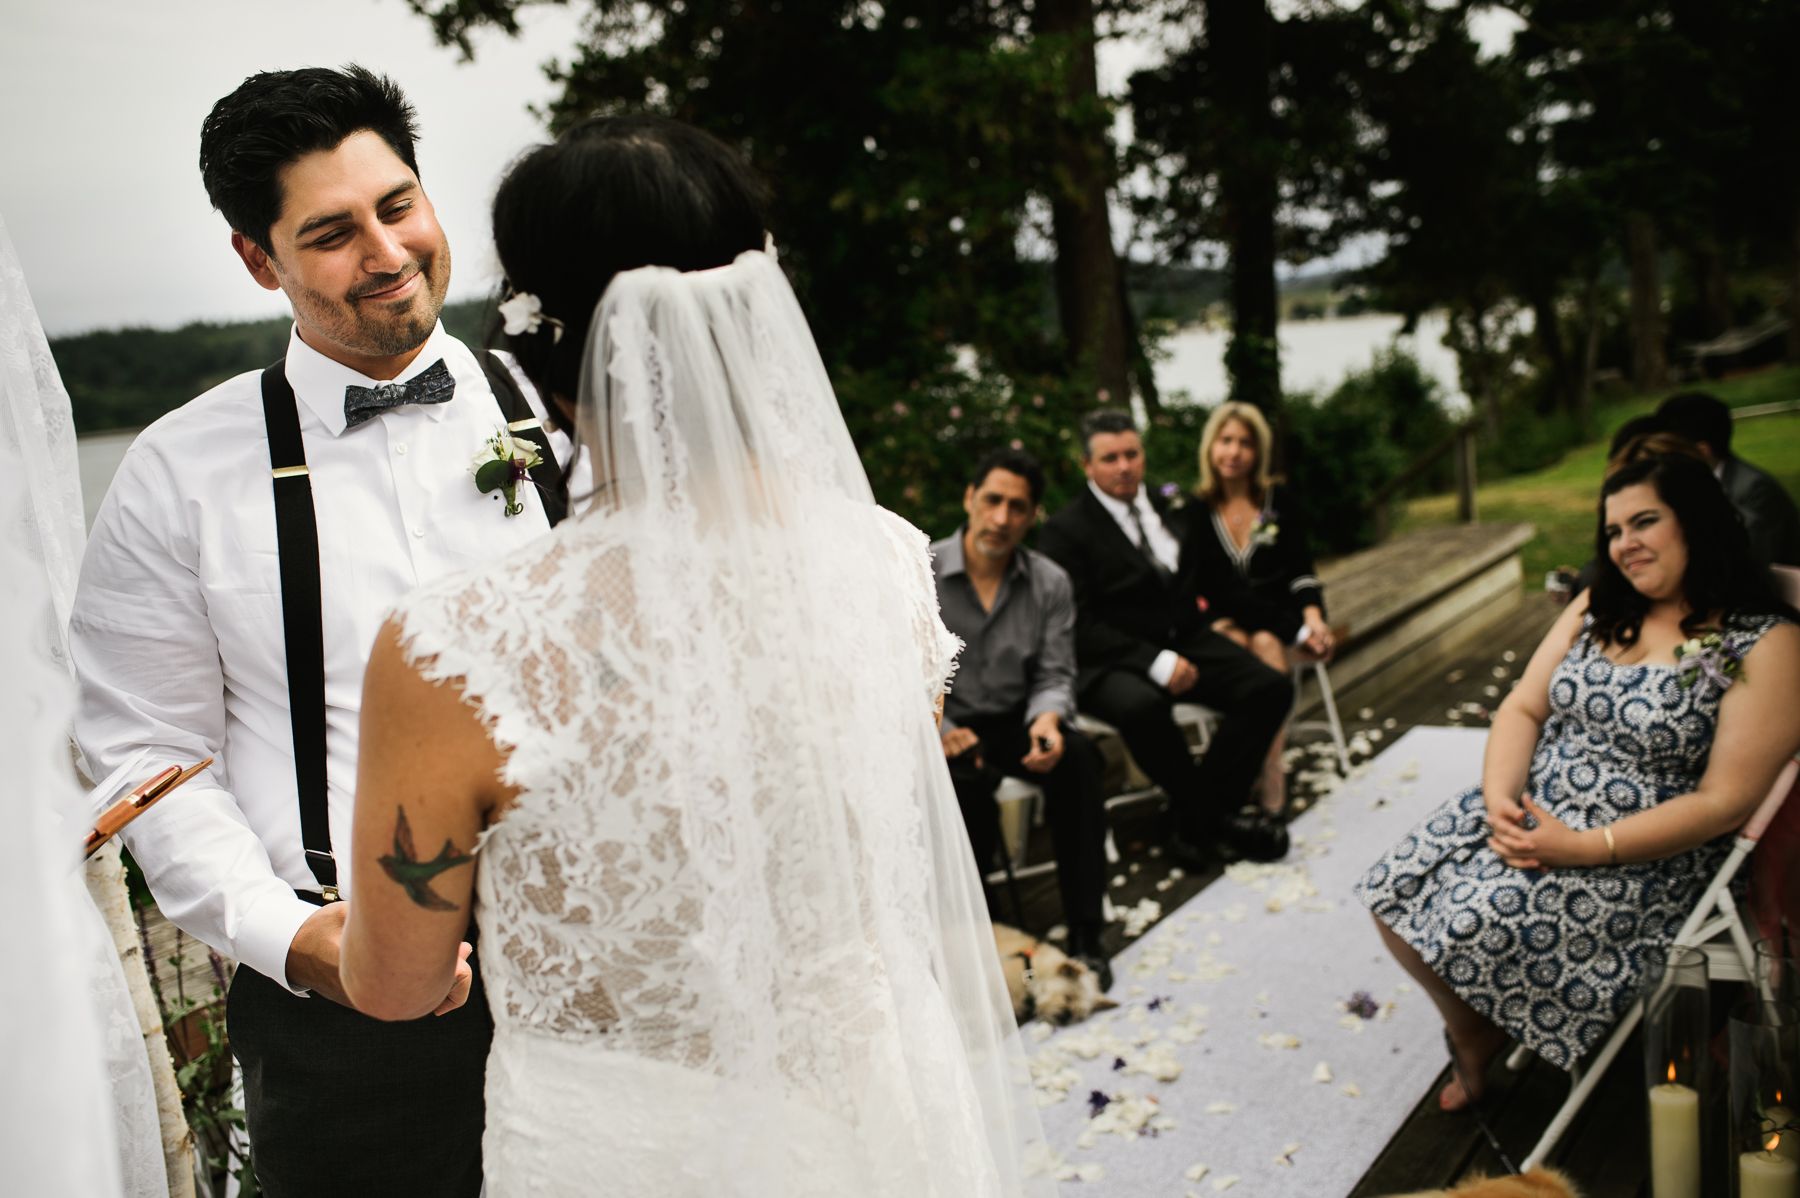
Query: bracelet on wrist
{"x": 1612, "y": 848}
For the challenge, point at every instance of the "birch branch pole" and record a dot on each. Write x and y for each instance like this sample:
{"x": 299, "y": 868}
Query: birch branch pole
{"x": 106, "y": 883}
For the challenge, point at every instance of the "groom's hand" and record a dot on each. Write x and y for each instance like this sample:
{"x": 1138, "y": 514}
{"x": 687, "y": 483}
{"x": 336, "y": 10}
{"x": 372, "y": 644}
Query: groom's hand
{"x": 312, "y": 962}
{"x": 465, "y": 977}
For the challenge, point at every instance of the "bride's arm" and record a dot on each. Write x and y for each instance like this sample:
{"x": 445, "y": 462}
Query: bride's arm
{"x": 427, "y": 776}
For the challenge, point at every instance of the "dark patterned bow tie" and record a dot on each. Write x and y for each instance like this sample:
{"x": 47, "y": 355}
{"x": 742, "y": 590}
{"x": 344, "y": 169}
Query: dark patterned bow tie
{"x": 431, "y": 385}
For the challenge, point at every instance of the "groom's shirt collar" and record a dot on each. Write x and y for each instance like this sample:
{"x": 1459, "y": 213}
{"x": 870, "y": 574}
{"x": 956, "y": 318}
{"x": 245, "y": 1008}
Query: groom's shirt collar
{"x": 319, "y": 381}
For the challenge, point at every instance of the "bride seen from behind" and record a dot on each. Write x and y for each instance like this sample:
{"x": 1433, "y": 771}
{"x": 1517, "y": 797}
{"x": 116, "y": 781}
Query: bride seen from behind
{"x": 735, "y": 940}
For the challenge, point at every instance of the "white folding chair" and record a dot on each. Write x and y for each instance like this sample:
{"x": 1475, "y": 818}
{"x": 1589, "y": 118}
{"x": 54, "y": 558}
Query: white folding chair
{"x": 1021, "y": 809}
{"x": 1713, "y": 926}
{"x": 1331, "y": 712}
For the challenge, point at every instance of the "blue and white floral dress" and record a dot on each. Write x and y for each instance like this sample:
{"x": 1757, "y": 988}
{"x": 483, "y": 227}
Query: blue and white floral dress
{"x": 1556, "y": 956}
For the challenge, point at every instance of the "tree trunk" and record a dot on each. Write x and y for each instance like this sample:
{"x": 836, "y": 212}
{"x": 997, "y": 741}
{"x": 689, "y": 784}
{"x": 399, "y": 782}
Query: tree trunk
{"x": 106, "y": 883}
{"x": 1793, "y": 296}
{"x": 1143, "y": 371}
{"x": 1239, "y": 34}
{"x": 1590, "y": 357}
{"x": 1087, "y": 268}
{"x": 1649, "y": 362}
{"x": 1477, "y": 367}
{"x": 1563, "y": 383}
{"x": 1711, "y": 287}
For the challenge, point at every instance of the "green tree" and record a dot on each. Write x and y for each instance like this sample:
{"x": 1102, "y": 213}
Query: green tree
{"x": 902, "y": 143}
{"x": 1249, "y": 130}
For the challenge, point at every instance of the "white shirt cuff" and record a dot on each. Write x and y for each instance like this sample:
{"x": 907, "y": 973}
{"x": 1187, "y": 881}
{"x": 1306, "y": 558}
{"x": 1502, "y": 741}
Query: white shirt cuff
{"x": 266, "y": 933}
{"x": 1163, "y": 668}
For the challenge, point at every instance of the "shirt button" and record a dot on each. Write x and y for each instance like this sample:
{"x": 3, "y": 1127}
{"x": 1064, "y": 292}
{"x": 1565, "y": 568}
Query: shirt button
{"x": 418, "y": 530}
{"x": 400, "y": 449}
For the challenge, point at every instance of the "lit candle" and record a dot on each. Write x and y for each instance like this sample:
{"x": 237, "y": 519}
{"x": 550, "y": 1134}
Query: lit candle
{"x": 1776, "y": 1118}
{"x": 1674, "y": 1141}
{"x": 1767, "y": 1174}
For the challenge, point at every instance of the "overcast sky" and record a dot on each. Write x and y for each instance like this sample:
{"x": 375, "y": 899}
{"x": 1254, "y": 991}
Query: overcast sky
{"x": 100, "y": 110}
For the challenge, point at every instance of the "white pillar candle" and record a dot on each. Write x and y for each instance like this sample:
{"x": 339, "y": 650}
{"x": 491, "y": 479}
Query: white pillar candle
{"x": 1766, "y": 1175}
{"x": 1674, "y": 1141}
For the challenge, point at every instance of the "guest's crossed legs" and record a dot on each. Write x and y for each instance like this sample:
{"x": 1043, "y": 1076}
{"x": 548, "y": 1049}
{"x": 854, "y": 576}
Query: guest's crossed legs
{"x": 1074, "y": 807}
{"x": 1253, "y": 702}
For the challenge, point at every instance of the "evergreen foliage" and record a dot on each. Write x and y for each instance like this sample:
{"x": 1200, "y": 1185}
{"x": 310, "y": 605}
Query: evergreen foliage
{"x": 126, "y": 378}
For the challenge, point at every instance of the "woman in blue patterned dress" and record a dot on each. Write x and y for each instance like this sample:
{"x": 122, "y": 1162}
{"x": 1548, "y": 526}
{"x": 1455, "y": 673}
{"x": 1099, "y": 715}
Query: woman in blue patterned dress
{"x": 1526, "y": 905}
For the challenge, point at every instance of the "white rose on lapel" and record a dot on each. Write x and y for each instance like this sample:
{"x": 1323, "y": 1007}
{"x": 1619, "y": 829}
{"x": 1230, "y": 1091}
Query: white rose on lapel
{"x": 503, "y": 463}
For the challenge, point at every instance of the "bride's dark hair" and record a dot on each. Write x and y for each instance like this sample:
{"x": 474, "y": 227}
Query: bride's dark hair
{"x": 613, "y": 194}
{"x": 1722, "y": 579}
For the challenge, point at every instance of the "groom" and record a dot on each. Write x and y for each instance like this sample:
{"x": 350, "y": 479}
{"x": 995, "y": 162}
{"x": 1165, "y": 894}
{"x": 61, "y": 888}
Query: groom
{"x": 234, "y": 581}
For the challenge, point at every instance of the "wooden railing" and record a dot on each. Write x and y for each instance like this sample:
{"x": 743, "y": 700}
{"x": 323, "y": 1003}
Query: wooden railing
{"x": 1461, "y": 443}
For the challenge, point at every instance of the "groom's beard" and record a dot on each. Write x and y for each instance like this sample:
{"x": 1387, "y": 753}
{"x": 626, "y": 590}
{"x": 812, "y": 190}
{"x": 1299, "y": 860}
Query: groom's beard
{"x": 376, "y": 328}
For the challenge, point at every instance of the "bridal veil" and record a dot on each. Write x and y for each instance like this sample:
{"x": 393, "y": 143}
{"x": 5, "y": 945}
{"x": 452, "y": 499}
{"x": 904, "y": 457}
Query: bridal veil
{"x": 819, "y": 992}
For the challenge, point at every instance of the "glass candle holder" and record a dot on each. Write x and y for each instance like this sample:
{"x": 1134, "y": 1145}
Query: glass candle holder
{"x": 1675, "y": 1071}
{"x": 1776, "y": 976}
{"x": 1765, "y": 1109}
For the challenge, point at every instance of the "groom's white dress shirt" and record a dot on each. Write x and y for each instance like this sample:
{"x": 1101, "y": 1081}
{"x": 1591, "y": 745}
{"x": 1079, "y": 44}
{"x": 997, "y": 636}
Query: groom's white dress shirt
{"x": 177, "y": 630}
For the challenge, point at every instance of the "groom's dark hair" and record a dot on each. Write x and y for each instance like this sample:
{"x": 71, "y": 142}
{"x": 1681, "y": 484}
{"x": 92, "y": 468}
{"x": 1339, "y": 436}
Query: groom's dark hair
{"x": 613, "y": 194}
{"x": 275, "y": 118}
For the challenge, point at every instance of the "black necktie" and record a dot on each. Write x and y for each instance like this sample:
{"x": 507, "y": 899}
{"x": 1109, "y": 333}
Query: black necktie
{"x": 1156, "y": 563}
{"x": 431, "y": 385}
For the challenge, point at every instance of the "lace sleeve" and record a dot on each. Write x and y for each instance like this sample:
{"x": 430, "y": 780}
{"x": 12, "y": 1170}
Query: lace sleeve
{"x": 938, "y": 646}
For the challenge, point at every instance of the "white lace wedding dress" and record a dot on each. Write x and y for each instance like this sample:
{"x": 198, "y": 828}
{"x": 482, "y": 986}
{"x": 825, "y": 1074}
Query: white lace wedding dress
{"x": 730, "y": 931}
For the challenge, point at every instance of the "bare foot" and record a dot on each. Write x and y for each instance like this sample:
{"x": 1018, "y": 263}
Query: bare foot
{"x": 1472, "y": 1055}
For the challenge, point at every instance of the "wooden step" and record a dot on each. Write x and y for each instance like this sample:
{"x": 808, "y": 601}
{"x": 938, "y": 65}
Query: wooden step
{"x": 1408, "y": 605}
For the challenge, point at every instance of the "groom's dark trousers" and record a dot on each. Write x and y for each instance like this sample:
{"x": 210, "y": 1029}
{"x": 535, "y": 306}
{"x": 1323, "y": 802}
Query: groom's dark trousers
{"x": 337, "y": 1103}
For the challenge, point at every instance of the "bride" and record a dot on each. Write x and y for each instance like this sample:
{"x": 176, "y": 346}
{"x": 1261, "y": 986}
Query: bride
{"x": 681, "y": 753}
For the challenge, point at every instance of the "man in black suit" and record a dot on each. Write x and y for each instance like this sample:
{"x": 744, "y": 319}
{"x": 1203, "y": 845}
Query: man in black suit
{"x": 1139, "y": 650}
{"x": 1767, "y": 509}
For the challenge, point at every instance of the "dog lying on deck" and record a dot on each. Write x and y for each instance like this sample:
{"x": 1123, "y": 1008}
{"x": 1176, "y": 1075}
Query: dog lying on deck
{"x": 1044, "y": 983}
{"x": 1539, "y": 1183}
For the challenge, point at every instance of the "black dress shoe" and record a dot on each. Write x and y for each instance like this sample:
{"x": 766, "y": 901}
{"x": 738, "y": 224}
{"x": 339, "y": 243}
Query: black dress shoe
{"x": 1252, "y": 835}
{"x": 1084, "y": 945}
{"x": 1097, "y": 962}
{"x": 1189, "y": 855}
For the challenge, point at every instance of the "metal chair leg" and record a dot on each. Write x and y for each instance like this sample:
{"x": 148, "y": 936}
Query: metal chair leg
{"x": 1331, "y": 715}
{"x": 1006, "y": 863}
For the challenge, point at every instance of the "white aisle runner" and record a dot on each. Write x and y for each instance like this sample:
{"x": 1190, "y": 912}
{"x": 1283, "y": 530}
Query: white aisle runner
{"x": 1267, "y": 970}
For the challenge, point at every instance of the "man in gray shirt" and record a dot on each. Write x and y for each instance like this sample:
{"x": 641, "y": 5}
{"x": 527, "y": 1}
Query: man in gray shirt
{"x": 1013, "y": 695}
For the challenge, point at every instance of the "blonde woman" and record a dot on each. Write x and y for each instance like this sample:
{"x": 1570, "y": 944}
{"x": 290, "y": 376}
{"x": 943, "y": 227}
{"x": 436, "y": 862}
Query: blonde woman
{"x": 1245, "y": 559}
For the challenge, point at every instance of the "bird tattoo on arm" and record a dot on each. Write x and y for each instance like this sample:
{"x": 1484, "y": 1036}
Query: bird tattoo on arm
{"x": 415, "y": 875}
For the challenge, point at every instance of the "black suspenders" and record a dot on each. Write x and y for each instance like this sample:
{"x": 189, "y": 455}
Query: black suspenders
{"x": 302, "y": 612}
{"x": 302, "y": 619}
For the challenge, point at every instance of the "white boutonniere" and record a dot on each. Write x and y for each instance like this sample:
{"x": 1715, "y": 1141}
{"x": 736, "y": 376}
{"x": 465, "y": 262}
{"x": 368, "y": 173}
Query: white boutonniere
{"x": 1265, "y": 530}
{"x": 503, "y": 463}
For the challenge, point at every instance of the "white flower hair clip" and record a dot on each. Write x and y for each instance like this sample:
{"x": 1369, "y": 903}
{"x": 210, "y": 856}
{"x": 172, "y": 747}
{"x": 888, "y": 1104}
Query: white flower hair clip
{"x": 524, "y": 313}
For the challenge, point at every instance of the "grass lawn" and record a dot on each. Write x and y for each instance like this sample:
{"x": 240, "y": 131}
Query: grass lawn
{"x": 1560, "y": 499}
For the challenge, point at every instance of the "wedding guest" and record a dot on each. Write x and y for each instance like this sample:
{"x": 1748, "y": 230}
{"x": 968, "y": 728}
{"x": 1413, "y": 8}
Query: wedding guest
{"x": 1009, "y": 710}
{"x": 223, "y": 613}
{"x": 1768, "y": 511}
{"x": 1140, "y": 647}
{"x": 1639, "y": 437}
{"x": 1527, "y": 906}
{"x": 1246, "y": 562}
